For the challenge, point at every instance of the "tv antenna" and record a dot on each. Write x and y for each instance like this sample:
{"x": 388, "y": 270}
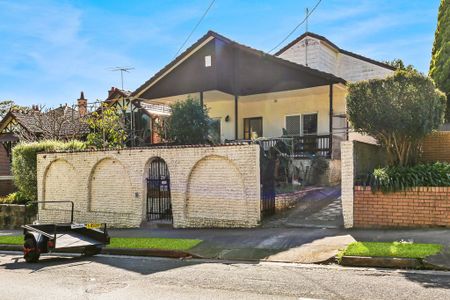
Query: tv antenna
{"x": 121, "y": 69}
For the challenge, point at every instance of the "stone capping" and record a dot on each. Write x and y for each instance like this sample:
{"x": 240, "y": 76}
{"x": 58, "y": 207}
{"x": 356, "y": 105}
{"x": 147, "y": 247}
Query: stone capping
{"x": 156, "y": 147}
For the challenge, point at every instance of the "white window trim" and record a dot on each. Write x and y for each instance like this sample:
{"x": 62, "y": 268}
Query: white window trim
{"x": 301, "y": 121}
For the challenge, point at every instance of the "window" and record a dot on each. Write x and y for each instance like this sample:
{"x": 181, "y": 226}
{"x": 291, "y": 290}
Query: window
{"x": 309, "y": 124}
{"x": 214, "y": 131}
{"x": 293, "y": 125}
{"x": 208, "y": 61}
{"x": 253, "y": 128}
{"x": 301, "y": 125}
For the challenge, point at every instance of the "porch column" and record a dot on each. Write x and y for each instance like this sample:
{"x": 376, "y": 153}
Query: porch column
{"x": 331, "y": 119}
{"x": 201, "y": 98}
{"x": 236, "y": 97}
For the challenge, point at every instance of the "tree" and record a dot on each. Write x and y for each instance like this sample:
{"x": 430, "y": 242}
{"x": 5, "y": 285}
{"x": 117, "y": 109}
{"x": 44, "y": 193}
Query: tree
{"x": 399, "y": 64}
{"x": 399, "y": 111}
{"x": 7, "y": 105}
{"x": 107, "y": 128}
{"x": 62, "y": 123}
{"x": 440, "y": 55}
{"x": 187, "y": 124}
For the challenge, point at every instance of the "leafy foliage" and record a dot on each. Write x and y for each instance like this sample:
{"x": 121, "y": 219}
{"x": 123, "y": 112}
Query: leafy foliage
{"x": 188, "y": 124}
{"x": 13, "y": 198}
{"x": 399, "y": 111}
{"x": 7, "y": 105}
{"x": 399, "y": 64}
{"x": 25, "y": 160}
{"x": 107, "y": 129}
{"x": 398, "y": 178}
{"x": 440, "y": 62}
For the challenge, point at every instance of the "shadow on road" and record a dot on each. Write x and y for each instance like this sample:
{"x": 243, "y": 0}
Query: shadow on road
{"x": 142, "y": 265}
{"x": 427, "y": 281}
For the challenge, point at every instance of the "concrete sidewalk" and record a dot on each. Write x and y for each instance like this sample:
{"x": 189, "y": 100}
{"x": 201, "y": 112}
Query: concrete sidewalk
{"x": 304, "y": 245}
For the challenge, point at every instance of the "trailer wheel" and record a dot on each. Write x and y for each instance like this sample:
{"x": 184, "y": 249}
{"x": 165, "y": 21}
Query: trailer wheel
{"x": 30, "y": 251}
{"x": 91, "y": 250}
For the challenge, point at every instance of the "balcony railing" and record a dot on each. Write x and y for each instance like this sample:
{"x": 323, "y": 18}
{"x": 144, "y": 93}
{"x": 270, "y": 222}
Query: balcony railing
{"x": 300, "y": 146}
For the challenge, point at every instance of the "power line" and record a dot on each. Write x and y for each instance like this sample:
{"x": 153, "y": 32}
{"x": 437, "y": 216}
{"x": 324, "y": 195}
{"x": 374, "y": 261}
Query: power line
{"x": 195, "y": 27}
{"x": 296, "y": 27}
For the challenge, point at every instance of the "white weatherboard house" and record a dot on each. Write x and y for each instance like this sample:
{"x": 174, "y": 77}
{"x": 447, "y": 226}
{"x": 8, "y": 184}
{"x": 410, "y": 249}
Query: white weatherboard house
{"x": 298, "y": 93}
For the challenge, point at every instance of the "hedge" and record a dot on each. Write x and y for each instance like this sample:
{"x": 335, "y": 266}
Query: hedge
{"x": 24, "y": 163}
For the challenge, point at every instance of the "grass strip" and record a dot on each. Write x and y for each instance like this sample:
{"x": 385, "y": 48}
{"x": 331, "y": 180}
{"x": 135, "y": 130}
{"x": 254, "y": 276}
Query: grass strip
{"x": 154, "y": 243}
{"x": 11, "y": 239}
{"x": 140, "y": 243}
{"x": 392, "y": 249}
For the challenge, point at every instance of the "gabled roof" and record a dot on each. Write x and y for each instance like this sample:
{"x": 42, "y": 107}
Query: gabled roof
{"x": 211, "y": 35}
{"x": 36, "y": 121}
{"x": 331, "y": 44}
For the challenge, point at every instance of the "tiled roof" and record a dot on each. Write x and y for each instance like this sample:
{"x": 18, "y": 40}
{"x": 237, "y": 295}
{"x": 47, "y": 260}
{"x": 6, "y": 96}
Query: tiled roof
{"x": 38, "y": 122}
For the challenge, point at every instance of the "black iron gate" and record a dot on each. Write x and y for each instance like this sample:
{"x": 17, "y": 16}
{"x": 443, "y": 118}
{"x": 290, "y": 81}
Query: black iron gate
{"x": 267, "y": 177}
{"x": 159, "y": 206}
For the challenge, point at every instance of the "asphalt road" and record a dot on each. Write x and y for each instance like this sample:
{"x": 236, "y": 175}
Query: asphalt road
{"x": 114, "y": 277}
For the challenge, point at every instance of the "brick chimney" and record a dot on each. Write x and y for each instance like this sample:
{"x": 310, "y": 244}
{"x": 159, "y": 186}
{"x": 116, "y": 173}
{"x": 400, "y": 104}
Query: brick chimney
{"x": 111, "y": 91}
{"x": 82, "y": 105}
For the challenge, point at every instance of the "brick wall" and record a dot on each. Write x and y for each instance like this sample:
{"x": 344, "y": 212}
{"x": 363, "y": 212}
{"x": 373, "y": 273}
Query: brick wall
{"x": 436, "y": 147}
{"x": 210, "y": 186}
{"x": 421, "y": 207}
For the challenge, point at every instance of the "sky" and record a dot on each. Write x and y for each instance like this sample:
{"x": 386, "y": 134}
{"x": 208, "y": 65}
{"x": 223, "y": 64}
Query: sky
{"x": 52, "y": 50}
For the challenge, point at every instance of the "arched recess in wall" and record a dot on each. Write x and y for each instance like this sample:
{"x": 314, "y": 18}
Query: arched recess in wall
{"x": 110, "y": 187}
{"x": 60, "y": 184}
{"x": 215, "y": 190}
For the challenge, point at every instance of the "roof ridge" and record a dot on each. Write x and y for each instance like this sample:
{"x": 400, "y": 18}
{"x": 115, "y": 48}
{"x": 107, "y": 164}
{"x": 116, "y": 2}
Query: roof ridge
{"x": 211, "y": 33}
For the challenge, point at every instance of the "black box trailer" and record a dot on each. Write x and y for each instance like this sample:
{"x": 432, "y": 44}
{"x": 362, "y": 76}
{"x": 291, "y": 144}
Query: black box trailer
{"x": 47, "y": 238}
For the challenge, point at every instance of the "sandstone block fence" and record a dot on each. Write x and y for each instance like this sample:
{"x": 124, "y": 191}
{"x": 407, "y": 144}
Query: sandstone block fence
{"x": 211, "y": 186}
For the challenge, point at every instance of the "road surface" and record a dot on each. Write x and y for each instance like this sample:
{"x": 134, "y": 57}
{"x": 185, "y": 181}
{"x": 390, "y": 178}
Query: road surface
{"x": 115, "y": 277}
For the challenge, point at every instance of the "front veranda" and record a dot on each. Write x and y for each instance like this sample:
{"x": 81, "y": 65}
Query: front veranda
{"x": 309, "y": 121}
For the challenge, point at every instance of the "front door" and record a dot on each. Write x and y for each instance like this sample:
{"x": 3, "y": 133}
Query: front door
{"x": 159, "y": 206}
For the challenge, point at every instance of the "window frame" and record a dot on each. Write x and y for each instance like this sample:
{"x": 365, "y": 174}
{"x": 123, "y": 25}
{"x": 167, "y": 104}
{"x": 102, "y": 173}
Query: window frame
{"x": 249, "y": 119}
{"x": 301, "y": 115}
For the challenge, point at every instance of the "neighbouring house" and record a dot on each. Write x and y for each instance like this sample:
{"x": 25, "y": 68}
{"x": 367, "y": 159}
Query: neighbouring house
{"x": 63, "y": 123}
{"x": 140, "y": 119}
{"x": 297, "y": 94}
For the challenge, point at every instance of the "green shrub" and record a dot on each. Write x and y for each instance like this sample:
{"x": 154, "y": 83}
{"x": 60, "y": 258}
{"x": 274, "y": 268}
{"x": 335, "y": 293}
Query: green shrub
{"x": 24, "y": 163}
{"x": 397, "y": 178}
{"x": 13, "y": 198}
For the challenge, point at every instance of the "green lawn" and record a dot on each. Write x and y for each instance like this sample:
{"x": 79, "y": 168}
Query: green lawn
{"x": 145, "y": 243}
{"x": 11, "y": 239}
{"x": 393, "y": 249}
{"x": 154, "y": 243}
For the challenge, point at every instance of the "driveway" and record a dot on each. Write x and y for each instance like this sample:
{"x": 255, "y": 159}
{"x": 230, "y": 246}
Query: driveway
{"x": 320, "y": 208}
